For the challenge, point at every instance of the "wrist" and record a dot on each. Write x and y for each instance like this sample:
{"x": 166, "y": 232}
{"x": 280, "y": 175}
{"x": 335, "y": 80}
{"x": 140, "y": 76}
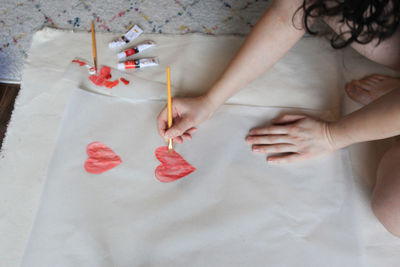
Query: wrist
{"x": 336, "y": 136}
{"x": 211, "y": 101}
{"x": 208, "y": 105}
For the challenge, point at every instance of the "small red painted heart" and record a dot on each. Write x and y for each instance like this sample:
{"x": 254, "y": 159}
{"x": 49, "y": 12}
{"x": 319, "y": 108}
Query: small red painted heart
{"x": 101, "y": 158}
{"x": 172, "y": 167}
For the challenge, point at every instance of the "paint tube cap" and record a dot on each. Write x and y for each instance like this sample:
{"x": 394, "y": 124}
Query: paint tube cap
{"x": 121, "y": 66}
{"x": 121, "y": 55}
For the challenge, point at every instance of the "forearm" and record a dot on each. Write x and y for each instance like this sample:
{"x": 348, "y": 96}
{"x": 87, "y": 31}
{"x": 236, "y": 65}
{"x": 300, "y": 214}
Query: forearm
{"x": 269, "y": 41}
{"x": 378, "y": 120}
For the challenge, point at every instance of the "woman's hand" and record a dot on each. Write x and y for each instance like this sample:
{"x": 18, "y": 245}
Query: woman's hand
{"x": 187, "y": 113}
{"x": 299, "y": 137}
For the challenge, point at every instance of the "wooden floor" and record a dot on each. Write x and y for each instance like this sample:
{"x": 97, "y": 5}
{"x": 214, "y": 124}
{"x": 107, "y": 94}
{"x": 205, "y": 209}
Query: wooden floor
{"x": 8, "y": 93}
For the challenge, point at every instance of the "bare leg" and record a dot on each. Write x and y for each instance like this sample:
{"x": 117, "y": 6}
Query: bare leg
{"x": 385, "y": 200}
{"x": 371, "y": 88}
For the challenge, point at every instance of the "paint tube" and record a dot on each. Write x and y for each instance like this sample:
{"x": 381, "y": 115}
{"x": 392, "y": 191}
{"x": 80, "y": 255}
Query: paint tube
{"x": 138, "y": 63}
{"x": 127, "y": 37}
{"x": 136, "y": 49}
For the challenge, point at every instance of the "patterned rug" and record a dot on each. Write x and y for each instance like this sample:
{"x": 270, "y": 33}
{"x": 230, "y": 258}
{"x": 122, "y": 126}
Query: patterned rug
{"x": 20, "y": 19}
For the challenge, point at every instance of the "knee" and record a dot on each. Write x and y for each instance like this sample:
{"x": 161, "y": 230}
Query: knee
{"x": 387, "y": 211}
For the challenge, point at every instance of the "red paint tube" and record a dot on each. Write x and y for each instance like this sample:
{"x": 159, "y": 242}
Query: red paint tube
{"x": 138, "y": 63}
{"x": 136, "y": 49}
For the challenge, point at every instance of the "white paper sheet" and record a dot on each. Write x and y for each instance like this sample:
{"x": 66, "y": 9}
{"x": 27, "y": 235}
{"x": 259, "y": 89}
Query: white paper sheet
{"x": 235, "y": 210}
{"x": 311, "y": 75}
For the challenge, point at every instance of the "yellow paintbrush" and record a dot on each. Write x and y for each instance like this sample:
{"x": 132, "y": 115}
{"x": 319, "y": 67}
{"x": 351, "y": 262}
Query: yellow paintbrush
{"x": 94, "y": 47}
{"x": 169, "y": 107}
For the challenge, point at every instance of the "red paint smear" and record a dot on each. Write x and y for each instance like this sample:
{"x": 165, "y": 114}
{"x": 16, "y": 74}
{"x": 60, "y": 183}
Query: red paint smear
{"x": 102, "y": 77}
{"x": 99, "y": 79}
{"x": 81, "y": 63}
{"x": 111, "y": 84}
{"x": 172, "y": 167}
{"x": 125, "y": 81}
{"x": 101, "y": 158}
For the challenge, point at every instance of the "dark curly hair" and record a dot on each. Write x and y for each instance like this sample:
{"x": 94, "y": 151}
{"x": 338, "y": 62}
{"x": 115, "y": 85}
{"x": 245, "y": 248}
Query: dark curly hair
{"x": 366, "y": 20}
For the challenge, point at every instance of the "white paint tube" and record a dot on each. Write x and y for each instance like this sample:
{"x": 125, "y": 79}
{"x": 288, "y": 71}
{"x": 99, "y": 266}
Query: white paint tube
{"x": 136, "y": 49}
{"x": 138, "y": 63}
{"x": 127, "y": 37}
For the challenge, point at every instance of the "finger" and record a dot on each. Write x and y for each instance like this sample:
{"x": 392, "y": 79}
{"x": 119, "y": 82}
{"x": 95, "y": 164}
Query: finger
{"x": 162, "y": 122}
{"x": 186, "y": 136}
{"x": 270, "y": 130}
{"x": 276, "y": 148}
{"x": 178, "y": 139}
{"x": 191, "y": 130}
{"x": 288, "y": 158}
{"x": 179, "y": 128}
{"x": 287, "y": 118}
{"x": 268, "y": 139}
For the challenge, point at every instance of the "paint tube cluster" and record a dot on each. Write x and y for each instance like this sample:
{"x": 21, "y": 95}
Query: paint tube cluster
{"x": 124, "y": 56}
{"x": 137, "y": 63}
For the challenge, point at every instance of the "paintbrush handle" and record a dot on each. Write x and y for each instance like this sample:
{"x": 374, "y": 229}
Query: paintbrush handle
{"x": 94, "y": 46}
{"x": 169, "y": 98}
{"x": 169, "y": 108}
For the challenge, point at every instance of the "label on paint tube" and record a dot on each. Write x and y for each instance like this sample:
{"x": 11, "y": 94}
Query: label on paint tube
{"x": 127, "y": 37}
{"x": 138, "y": 63}
{"x": 136, "y": 49}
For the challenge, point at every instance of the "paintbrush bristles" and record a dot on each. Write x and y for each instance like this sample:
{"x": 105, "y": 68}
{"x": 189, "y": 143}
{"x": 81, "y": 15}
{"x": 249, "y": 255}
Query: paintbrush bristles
{"x": 94, "y": 47}
{"x": 170, "y": 146}
{"x": 169, "y": 107}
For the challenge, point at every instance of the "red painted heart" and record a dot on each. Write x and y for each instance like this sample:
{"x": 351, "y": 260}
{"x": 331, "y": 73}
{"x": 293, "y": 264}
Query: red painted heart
{"x": 101, "y": 158}
{"x": 172, "y": 167}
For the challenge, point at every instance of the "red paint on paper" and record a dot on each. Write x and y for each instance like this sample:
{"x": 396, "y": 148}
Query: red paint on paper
{"x": 125, "y": 81}
{"x": 172, "y": 167}
{"x": 101, "y": 158}
{"x": 102, "y": 78}
{"x": 81, "y": 63}
{"x": 109, "y": 84}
